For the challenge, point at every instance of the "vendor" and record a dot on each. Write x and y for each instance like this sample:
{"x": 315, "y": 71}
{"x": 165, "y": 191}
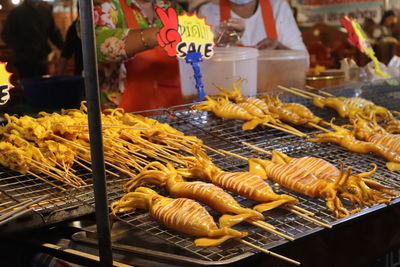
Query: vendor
{"x": 266, "y": 24}
{"x": 134, "y": 72}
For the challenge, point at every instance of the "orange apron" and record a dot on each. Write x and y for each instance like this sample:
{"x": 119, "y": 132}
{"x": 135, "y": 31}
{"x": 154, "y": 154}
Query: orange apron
{"x": 267, "y": 14}
{"x": 152, "y": 76}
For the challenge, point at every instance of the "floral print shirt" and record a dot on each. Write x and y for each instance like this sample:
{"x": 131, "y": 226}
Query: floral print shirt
{"x": 111, "y": 32}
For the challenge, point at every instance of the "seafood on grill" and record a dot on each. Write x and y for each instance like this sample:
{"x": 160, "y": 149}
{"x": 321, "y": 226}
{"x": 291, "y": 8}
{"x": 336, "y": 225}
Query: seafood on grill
{"x": 207, "y": 193}
{"x": 245, "y": 184}
{"x": 250, "y": 109}
{"x": 373, "y": 133}
{"x": 272, "y": 106}
{"x": 346, "y": 138}
{"x": 291, "y": 112}
{"x": 181, "y": 214}
{"x": 223, "y": 108}
{"x": 357, "y": 189}
{"x": 299, "y": 179}
{"x": 347, "y": 107}
{"x": 60, "y": 140}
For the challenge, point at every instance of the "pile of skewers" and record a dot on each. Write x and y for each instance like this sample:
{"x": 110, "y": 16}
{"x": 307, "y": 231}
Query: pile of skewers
{"x": 52, "y": 143}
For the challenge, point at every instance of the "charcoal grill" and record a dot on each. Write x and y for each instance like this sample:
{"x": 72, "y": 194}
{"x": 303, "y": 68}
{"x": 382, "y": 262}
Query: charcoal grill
{"x": 219, "y": 134}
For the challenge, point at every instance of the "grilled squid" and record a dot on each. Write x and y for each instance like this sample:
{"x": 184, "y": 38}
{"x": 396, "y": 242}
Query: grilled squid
{"x": 345, "y": 138}
{"x": 300, "y": 180}
{"x": 351, "y": 107}
{"x": 373, "y": 133}
{"x": 207, "y": 193}
{"x": 357, "y": 189}
{"x": 245, "y": 184}
{"x": 291, "y": 112}
{"x": 180, "y": 214}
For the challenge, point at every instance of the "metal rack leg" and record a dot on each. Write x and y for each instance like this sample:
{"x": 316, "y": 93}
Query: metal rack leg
{"x": 96, "y": 141}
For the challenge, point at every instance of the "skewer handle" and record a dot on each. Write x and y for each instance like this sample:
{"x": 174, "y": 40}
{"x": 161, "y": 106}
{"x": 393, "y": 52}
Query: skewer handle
{"x": 269, "y": 252}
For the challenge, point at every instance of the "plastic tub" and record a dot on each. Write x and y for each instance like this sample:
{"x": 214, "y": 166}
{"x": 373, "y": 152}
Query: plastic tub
{"x": 227, "y": 65}
{"x": 54, "y": 92}
{"x": 281, "y": 67}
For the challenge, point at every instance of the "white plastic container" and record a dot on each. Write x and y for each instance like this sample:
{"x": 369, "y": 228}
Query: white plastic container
{"x": 281, "y": 67}
{"x": 227, "y": 65}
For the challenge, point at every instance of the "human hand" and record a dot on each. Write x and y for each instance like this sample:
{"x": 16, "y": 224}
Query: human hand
{"x": 230, "y": 31}
{"x": 168, "y": 36}
{"x": 269, "y": 44}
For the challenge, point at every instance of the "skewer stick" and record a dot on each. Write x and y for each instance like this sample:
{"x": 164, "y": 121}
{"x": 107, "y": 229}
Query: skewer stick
{"x": 294, "y": 92}
{"x": 111, "y": 126}
{"x": 319, "y": 127}
{"x": 298, "y": 133}
{"x": 286, "y": 126}
{"x": 213, "y": 150}
{"x": 90, "y": 163}
{"x": 257, "y": 148}
{"x": 46, "y": 181}
{"x": 302, "y": 210}
{"x": 265, "y": 224}
{"x": 326, "y": 123}
{"x": 233, "y": 154}
{"x": 305, "y": 92}
{"x": 319, "y": 91}
{"x": 309, "y": 218}
{"x": 258, "y": 224}
{"x": 269, "y": 252}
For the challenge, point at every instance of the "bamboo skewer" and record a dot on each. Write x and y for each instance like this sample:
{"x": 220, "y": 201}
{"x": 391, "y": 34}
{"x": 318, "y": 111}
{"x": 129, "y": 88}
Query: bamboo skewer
{"x": 294, "y": 92}
{"x": 111, "y": 126}
{"x": 320, "y": 91}
{"x": 306, "y": 92}
{"x": 294, "y": 132}
{"x": 268, "y": 229}
{"x": 269, "y": 252}
{"x": 319, "y": 127}
{"x": 257, "y": 148}
{"x": 46, "y": 181}
{"x": 302, "y": 210}
{"x": 309, "y": 218}
{"x": 213, "y": 150}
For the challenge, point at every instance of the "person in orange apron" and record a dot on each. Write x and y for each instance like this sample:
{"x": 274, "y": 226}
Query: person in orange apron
{"x": 265, "y": 24}
{"x": 134, "y": 72}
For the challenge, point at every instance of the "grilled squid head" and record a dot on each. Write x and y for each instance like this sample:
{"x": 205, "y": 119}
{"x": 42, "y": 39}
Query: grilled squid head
{"x": 257, "y": 167}
{"x": 280, "y": 157}
{"x": 235, "y": 94}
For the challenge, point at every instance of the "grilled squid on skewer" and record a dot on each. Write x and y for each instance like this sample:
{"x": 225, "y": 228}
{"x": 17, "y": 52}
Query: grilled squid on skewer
{"x": 291, "y": 112}
{"x": 210, "y": 194}
{"x": 373, "y": 133}
{"x": 350, "y": 107}
{"x": 180, "y": 214}
{"x": 223, "y": 108}
{"x": 345, "y": 138}
{"x": 358, "y": 189}
{"x": 245, "y": 184}
{"x": 302, "y": 181}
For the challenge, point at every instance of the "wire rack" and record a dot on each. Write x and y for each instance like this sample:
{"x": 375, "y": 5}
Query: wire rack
{"x": 228, "y": 135}
{"x": 219, "y": 134}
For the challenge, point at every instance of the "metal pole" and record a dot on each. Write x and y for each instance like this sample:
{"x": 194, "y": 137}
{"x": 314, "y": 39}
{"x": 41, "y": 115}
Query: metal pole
{"x": 95, "y": 133}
